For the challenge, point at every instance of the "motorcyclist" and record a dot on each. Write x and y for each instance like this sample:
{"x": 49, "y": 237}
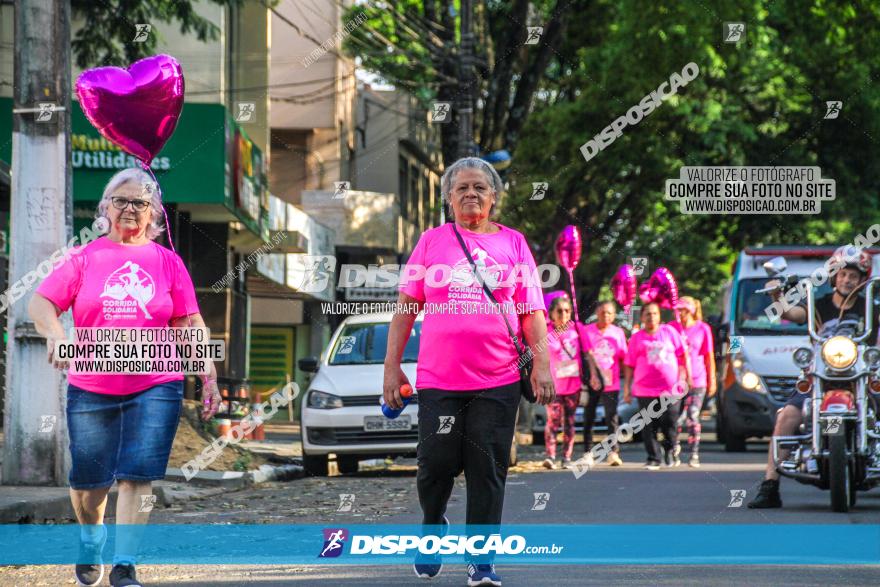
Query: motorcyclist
{"x": 854, "y": 269}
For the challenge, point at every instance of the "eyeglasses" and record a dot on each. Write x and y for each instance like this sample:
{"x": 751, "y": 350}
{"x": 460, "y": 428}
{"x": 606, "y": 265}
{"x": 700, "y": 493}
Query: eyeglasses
{"x": 122, "y": 203}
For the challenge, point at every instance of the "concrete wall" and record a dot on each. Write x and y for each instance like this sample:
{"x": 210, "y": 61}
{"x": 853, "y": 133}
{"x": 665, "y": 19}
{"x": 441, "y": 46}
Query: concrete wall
{"x": 360, "y": 219}
{"x": 312, "y": 97}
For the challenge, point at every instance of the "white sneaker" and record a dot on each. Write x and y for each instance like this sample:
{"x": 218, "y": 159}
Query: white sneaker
{"x": 588, "y": 460}
{"x": 548, "y": 463}
{"x": 614, "y": 459}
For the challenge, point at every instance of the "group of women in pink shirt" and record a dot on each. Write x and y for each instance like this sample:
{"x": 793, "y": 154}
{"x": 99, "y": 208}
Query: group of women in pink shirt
{"x": 591, "y": 363}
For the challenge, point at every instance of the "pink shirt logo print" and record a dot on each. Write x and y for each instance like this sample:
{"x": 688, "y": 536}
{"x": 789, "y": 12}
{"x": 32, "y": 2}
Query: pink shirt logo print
{"x": 604, "y": 354}
{"x": 129, "y": 282}
{"x": 489, "y": 271}
{"x": 658, "y": 353}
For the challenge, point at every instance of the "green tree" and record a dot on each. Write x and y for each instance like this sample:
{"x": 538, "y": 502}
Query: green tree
{"x": 759, "y": 102}
{"x": 416, "y": 45}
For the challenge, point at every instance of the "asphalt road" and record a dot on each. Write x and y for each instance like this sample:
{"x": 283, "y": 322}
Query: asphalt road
{"x": 606, "y": 495}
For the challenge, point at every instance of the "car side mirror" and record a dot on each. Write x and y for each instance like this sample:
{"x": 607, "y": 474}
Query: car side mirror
{"x": 775, "y": 266}
{"x": 308, "y": 364}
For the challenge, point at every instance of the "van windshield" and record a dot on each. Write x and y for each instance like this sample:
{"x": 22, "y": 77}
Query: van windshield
{"x": 365, "y": 344}
{"x": 751, "y": 317}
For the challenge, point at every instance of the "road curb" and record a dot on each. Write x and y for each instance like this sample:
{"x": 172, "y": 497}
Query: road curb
{"x": 56, "y": 506}
{"x": 234, "y": 480}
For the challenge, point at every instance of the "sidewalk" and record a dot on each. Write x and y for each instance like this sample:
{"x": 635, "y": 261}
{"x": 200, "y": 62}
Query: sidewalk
{"x": 24, "y": 504}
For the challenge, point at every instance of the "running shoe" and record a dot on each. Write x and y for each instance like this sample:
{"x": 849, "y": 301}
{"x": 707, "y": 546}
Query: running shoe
{"x": 676, "y": 452}
{"x": 652, "y": 466}
{"x": 614, "y": 459}
{"x": 483, "y": 575}
{"x": 124, "y": 576}
{"x": 548, "y": 463}
{"x": 89, "y": 568}
{"x": 694, "y": 461}
{"x": 428, "y": 566}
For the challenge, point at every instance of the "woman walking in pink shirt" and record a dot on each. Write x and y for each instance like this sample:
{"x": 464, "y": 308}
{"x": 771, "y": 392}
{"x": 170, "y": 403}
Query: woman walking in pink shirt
{"x": 121, "y": 427}
{"x": 701, "y": 351}
{"x": 606, "y": 344}
{"x": 467, "y": 380}
{"x": 563, "y": 344}
{"x": 655, "y": 366}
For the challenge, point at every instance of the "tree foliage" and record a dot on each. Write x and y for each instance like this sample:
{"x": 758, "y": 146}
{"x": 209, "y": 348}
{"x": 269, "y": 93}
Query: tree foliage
{"x": 416, "y": 45}
{"x": 757, "y": 102}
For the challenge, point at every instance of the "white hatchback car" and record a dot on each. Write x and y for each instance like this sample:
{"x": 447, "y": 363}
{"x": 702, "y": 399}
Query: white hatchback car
{"x": 341, "y": 412}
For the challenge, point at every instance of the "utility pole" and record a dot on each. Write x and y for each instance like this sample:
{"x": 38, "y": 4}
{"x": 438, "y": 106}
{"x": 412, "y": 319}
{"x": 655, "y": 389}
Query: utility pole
{"x": 468, "y": 81}
{"x": 35, "y": 448}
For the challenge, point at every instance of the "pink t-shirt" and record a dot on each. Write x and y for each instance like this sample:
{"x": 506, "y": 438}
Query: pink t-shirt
{"x": 608, "y": 349}
{"x": 109, "y": 284}
{"x": 698, "y": 340}
{"x": 654, "y": 359}
{"x": 565, "y": 358}
{"x": 462, "y": 350}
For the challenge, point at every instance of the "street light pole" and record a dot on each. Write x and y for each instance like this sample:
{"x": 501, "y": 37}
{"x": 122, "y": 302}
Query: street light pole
{"x": 466, "y": 94}
{"x": 34, "y": 451}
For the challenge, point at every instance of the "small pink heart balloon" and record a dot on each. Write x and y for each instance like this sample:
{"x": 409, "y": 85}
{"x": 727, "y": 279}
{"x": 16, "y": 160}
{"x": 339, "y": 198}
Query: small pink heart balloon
{"x": 135, "y": 108}
{"x": 648, "y": 291}
{"x": 623, "y": 286}
{"x": 568, "y": 247}
{"x": 667, "y": 288}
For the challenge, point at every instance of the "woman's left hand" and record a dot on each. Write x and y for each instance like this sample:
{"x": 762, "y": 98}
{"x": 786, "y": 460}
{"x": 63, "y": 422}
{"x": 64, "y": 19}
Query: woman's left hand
{"x": 542, "y": 384}
{"x": 211, "y": 399}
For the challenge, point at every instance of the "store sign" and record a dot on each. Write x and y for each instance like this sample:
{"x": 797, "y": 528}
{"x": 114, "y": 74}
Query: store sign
{"x": 248, "y": 175}
{"x": 190, "y": 169}
{"x": 88, "y": 152}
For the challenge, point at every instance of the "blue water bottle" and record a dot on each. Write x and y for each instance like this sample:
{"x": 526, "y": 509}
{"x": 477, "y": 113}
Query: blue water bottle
{"x": 406, "y": 392}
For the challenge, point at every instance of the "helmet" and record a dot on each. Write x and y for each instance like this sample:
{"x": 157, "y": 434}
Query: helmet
{"x": 851, "y": 257}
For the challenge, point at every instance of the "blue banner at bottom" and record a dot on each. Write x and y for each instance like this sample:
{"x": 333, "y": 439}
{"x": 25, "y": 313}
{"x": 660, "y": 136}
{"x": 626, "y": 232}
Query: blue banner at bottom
{"x": 647, "y": 544}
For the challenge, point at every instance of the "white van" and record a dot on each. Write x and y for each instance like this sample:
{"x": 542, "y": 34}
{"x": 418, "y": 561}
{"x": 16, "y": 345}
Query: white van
{"x": 756, "y": 381}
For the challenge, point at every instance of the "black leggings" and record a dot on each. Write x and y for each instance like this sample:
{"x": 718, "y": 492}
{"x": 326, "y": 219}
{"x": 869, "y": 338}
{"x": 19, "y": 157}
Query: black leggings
{"x": 470, "y": 431}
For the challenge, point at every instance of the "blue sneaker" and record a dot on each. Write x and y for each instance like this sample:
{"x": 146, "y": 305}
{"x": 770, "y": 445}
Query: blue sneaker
{"x": 89, "y": 569}
{"x": 483, "y": 575}
{"x": 428, "y": 566}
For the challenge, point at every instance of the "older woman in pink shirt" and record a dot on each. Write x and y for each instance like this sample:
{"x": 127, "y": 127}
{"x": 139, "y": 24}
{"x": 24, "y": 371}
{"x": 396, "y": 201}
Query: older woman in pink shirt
{"x": 467, "y": 381}
{"x": 656, "y": 366}
{"x": 121, "y": 427}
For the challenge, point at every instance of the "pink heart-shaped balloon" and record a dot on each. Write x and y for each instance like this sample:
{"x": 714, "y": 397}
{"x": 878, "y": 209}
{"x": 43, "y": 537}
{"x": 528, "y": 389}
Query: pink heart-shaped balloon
{"x": 135, "y": 108}
{"x": 568, "y": 247}
{"x": 665, "y": 282}
{"x": 648, "y": 291}
{"x": 623, "y": 286}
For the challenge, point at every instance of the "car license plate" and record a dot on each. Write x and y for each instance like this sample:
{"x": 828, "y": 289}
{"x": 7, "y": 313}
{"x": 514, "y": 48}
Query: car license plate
{"x": 373, "y": 423}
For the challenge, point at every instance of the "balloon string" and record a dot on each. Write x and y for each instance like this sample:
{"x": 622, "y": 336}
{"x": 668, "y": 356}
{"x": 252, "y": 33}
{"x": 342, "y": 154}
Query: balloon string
{"x": 574, "y": 304}
{"x": 161, "y": 203}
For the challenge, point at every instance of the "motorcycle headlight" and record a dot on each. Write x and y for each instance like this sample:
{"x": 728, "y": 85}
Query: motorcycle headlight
{"x": 839, "y": 352}
{"x": 803, "y": 357}
{"x": 322, "y": 400}
{"x": 872, "y": 357}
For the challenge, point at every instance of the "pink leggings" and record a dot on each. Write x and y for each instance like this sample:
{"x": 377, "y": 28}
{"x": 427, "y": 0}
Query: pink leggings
{"x": 564, "y": 406}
